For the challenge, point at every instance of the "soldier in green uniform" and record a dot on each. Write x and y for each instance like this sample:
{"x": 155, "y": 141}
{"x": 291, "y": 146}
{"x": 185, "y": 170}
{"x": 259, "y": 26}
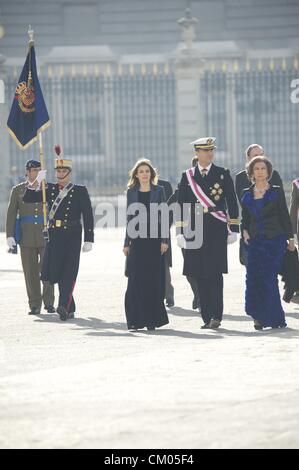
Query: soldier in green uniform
{"x": 24, "y": 225}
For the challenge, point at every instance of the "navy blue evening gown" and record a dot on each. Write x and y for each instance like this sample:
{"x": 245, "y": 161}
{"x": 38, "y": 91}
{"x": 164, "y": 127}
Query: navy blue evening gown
{"x": 265, "y": 257}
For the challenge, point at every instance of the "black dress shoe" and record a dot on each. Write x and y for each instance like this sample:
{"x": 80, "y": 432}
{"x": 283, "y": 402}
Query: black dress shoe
{"x": 34, "y": 311}
{"x": 70, "y": 315}
{"x": 206, "y": 326}
{"x": 133, "y": 328}
{"x": 50, "y": 308}
{"x": 194, "y": 303}
{"x": 62, "y": 312}
{"x": 214, "y": 324}
{"x": 150, "y": 328}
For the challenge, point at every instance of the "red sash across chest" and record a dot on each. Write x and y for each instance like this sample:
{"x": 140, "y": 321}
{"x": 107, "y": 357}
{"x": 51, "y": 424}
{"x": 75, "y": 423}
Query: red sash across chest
{"x": 202, "y": 198}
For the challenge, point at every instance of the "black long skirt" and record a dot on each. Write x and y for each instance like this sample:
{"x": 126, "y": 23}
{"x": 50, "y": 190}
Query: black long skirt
{"x": 144, "y": 299}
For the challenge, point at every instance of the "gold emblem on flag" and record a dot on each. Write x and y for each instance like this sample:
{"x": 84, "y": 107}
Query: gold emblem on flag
{"x": 26, "y": 97}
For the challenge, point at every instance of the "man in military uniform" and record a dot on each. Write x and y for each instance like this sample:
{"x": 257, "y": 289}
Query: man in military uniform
{"x": 24, "y": 225}
{"x": 294, "y": 207}
{"x": 294, "y": 211}
{"x": 67, "y": 203}
{"x": 211, "y": 188}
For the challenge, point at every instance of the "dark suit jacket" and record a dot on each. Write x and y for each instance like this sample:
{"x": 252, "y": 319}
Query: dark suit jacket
{"x": 167, "y": 187}
{"x": 294, "y": 208}
{"x": 157, "y": 195}
{"x": 290, "y": 274}
{"x": 168, "y": 193}
{"x": 174, "y": 197}
{"x": 242, "y": 182}
{"x": 275, "y": 216}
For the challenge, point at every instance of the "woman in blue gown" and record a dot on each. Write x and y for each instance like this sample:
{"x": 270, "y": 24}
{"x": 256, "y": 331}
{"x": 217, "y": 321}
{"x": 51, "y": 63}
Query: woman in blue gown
{"x": 267, "y": 233}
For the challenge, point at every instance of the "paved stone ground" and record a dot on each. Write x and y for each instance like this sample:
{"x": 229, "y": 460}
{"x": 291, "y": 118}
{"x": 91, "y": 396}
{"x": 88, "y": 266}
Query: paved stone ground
{"x": 89, "y": 383}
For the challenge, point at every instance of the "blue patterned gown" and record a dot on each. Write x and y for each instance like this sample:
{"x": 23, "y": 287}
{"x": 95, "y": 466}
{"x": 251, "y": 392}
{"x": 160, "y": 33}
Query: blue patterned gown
{"x": 265, "y": 257}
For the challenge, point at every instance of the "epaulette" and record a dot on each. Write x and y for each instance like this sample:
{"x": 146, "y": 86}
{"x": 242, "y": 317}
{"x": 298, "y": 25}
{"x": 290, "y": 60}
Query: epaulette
{"x": 19, "y": 185}
{"x": 221, "y": 168}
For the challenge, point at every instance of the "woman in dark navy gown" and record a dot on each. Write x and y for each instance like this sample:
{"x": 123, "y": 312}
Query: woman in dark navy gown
{"x": 144, "y": 299}
{"x": 267, "y": 233}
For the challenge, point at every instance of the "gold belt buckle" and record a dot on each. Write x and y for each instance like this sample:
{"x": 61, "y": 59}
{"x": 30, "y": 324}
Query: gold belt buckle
{"x": 57, "y": 223}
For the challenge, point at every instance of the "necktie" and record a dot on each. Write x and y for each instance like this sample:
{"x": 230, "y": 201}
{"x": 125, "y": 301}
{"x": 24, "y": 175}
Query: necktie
{"x": 204, "y": 172}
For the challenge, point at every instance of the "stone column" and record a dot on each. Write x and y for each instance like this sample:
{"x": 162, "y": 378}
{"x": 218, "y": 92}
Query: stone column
{"x": 232, "y": 125}
{"x": 188, "y": 67}
{"x": 190, "y": 125}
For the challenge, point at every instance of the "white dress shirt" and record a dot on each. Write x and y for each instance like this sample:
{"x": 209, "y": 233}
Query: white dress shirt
{"x": 206, "y": 168}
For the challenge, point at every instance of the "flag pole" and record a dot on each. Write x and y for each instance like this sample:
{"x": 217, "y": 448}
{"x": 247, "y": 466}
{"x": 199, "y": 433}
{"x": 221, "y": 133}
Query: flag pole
{"x": 42, "y": 162}
{"x": 41, "y": 154}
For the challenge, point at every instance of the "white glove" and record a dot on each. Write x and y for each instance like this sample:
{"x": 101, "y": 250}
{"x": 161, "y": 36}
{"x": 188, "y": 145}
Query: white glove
{"x": 10, "y": 242}
{"x": 232, "y": 238}
{"x": 41, "y": 176}
{"x": 181, "y": 241}
{"x": 87, "y": 247}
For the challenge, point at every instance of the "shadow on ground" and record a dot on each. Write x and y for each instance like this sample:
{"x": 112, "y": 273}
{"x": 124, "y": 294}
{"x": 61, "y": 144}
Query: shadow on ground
{"x": 183, "y": 312}
{"x": 92, "y": 323}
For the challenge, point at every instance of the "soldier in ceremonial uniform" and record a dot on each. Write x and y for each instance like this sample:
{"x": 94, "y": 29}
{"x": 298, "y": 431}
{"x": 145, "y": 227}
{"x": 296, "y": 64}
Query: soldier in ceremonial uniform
{"x": 24, "y": 225}
{"x": 212, "y": 188}
{"x": 67, "y": 202}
